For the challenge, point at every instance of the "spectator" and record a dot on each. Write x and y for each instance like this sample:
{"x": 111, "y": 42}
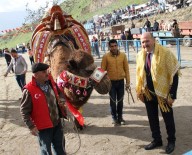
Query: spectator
{"x": 23, "y": 49}
{"x": 169, "y": 25}
{"x": 155, "y": 26}
{"x": 28, "y": 45}
{"x": 103, "y": 43}
{"x": 96, "y": 46}
{"x": 175, "y": 29}
{"x": 8, "y": 57}
{"x": 147, "y": 25}
{"x": 162, "y": 25}
{"x": 1, "y": 52}
{"x": 43, "y": 120}
{"x": 19, "y": 65}
{"x": 123, "y": 38}
{"x": 30, "y": 53}
{"x": 129, "y": 37}
{"x": 94, "y": 26}
{"x": 116, "y": 65}
{"x": 132, "y": 24}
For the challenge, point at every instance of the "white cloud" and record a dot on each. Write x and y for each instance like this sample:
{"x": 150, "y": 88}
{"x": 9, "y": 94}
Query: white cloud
{"x": 16, "y": 11}
{"x": 20, "y": 5}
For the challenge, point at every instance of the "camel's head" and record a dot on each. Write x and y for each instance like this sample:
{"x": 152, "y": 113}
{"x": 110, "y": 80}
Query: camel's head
{"x": 81, "y": 63}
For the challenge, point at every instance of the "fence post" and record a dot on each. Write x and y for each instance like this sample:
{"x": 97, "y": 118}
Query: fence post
{"x": 104, "y": 46}
{"x": 126, "y": 48}
{"x": 118, "y": 43}
{"x": 137, "y": 45}
{"x": 92, "y": 48}
{"x": 178, "y": 50}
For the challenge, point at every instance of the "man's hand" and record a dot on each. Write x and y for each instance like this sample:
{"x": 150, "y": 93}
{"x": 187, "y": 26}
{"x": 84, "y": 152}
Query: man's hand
{"x": 24, "y": 72}
{"x": 170, "y": 101}
{"x": 34, "y": 131}
{"x": 127, "y": 86}
{"x": 140, "y": 97}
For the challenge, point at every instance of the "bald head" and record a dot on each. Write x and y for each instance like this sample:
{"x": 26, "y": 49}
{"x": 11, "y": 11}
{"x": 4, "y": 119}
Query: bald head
{"x": 147, "y": 35}
{"x": 147, "y": 42}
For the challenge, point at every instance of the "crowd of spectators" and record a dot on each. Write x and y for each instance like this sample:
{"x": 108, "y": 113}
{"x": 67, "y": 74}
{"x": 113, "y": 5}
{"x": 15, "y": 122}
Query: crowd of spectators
{"x": 130, "y": 13}
{"x": 121, "y": 15}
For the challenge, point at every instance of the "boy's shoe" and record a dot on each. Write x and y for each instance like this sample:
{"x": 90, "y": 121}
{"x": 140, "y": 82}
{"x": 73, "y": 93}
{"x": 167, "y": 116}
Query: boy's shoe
{"x": 115, "y": 122}
{"x": 121, "y": 121}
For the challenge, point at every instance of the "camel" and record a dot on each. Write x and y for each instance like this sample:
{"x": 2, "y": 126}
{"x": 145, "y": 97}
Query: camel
{"x": 63, "y": 43}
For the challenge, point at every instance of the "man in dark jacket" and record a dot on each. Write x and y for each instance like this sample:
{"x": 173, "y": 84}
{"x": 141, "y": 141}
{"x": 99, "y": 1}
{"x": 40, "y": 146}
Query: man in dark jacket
{"x": 156, "y": 86}
{"x": 129, "y": 37}
{"x": 147, "y": 25}
{"x": 156, "y": 26}
{"x": 7, "y": 55}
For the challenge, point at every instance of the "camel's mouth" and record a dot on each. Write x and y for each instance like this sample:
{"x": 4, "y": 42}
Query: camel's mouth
{"x": 69, "y": 78}
{"x": 76, "y": 89}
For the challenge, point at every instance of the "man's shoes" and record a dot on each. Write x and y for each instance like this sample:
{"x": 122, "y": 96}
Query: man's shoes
{"x": 170, "y": 148}
{"x": 153, "y": 145}
{"x": 121, "y": 121}
{"x": 115, "y": 122}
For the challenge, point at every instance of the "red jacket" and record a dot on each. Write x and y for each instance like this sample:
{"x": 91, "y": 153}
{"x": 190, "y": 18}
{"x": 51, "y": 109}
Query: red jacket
{"x": 40, "y": 114}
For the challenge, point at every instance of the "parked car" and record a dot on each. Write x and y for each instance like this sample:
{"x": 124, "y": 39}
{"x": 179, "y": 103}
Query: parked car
{"x": 20, "y": 48}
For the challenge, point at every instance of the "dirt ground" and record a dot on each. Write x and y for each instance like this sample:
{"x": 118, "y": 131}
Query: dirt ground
{"x": 99, "y": 137}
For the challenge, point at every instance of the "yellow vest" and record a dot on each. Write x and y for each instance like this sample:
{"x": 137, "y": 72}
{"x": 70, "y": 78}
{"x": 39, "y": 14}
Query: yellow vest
{"x": 117, "y": 67}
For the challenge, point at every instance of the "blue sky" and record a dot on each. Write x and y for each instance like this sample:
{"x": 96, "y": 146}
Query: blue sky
{"x": 12, "y": 12}
{"x": 16, "y": 5}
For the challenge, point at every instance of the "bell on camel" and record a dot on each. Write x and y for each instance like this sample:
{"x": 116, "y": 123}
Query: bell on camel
{"x": 57, "y": 25}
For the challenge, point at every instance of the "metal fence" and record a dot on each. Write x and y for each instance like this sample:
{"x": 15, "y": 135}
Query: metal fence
{"x": 132, "y": 47}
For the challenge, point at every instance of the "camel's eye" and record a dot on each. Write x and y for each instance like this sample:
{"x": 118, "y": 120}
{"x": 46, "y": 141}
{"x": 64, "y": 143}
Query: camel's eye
{"x": 89, "y": 71}
{"x": 73, "y": 64}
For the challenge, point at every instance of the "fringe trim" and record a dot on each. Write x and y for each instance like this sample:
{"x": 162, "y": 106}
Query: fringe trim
{"x": 161, "y": 101}
{"x": 147, "y": 94}
{"x": 163, "y": 104}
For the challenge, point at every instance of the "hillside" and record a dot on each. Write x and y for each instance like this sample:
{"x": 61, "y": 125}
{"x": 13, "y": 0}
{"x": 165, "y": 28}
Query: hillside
{"x": 86, "y": 9}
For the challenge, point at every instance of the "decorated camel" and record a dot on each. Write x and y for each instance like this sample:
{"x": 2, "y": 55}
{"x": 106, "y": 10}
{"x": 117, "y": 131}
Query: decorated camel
{"x": 63, "y": 43}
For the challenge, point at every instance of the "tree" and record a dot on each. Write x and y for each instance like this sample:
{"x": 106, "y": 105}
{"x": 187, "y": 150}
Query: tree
{"x": 35, "y": 16}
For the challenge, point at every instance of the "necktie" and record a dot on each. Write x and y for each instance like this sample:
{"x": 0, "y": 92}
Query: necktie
{"x": 148, "y": 61}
